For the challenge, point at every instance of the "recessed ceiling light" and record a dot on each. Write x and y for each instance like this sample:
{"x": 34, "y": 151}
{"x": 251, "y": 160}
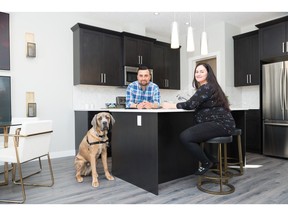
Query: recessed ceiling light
{"x": 156, "y": 13}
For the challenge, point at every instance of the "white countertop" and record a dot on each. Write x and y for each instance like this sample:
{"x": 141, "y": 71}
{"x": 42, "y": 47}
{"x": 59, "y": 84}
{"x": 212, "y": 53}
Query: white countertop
{"x": 150, "y": 110}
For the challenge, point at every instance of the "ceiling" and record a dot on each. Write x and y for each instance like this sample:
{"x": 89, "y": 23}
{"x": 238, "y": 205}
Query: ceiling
{"x": 161, "y": 24}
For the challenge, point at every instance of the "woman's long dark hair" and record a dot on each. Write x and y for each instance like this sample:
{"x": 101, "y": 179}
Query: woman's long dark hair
{"x": 219, "y": 96}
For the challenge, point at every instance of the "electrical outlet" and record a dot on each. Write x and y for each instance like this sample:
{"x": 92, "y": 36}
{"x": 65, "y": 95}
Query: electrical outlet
{"x": 139, "y": 120}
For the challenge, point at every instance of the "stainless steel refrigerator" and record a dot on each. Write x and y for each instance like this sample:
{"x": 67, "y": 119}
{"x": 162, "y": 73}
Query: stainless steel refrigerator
{"x": 275, "y": 109}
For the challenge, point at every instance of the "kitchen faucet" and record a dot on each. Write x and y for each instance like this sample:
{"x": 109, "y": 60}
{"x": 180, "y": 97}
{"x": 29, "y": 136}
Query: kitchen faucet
{"x": 179, "y": 97}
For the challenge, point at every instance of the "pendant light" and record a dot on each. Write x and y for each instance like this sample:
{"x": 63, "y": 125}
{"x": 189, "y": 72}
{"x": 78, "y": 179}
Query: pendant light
{"x": 174, "y": 35}
{"x": 204, "y": 43}
{"x": 190, "y": 38}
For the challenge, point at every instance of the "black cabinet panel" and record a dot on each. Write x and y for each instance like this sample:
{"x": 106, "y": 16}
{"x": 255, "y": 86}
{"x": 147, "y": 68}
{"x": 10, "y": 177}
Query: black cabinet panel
{"x": 152, "y": 153}
{"x": 250, "y": 123}
{"x": 137, "y": 52}
{"x": 246, "y": 59}
{"x": 253, "y": 131}
{"x": 91, "y": 45}
{"x": 166, "y": 66}
{"x": 100, "y": 56}
{"x": 273, "y": 40}
{"x": 97, "y": 57}
{"x": 112, "y": 60}
{"x": 173, "y": 68}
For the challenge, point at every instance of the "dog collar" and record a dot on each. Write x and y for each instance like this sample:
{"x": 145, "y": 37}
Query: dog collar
{"x": 95, "y": 143}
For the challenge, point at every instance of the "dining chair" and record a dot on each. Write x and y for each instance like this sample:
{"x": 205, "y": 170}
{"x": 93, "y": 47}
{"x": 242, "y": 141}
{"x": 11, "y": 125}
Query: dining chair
{"x": 31, "y": 141}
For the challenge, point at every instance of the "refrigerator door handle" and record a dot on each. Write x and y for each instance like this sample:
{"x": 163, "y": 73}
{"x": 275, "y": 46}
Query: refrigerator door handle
{"x": 285, "y": 88}
{"x": 277, "y": 124}
{"x": 282, "y": 90}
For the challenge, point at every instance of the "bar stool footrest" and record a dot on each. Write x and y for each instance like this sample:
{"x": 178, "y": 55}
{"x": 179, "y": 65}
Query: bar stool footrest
{"x": 226, "y": 188}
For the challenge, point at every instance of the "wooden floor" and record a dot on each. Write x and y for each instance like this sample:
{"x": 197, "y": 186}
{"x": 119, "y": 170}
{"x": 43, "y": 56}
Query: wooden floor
{"x": 267, "y": 184}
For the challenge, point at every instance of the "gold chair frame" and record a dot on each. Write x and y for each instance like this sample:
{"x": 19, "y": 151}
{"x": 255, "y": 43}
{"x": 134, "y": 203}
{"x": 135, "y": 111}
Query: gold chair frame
{"x": 18, "y": 165}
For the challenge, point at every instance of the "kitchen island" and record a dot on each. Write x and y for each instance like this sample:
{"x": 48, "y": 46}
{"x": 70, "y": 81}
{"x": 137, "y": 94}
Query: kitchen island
{"x": 145, "y": 143}
{"x": 146, "y": 149}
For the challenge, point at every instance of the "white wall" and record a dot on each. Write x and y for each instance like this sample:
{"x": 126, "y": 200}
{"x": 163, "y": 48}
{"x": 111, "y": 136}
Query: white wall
{"x": 50, "y": 74}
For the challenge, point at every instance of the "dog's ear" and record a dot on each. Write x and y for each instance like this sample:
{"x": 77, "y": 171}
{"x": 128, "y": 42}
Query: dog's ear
{"x": 112, "y": 119}
{"x": 94, "y": 122}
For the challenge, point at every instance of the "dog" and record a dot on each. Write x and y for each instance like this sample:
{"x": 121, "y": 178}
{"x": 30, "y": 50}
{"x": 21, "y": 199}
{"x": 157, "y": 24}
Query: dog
{"x": 92, "y": 146}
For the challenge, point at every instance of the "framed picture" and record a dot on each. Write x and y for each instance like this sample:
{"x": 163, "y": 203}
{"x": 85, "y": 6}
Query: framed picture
{"x": 4, "y": 42}
{"x": 31, "y": 49}
{"x": 31, "y": 110}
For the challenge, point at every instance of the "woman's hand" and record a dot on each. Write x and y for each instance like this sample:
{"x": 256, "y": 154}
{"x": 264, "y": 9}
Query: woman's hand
{"x": 167, "y": 105}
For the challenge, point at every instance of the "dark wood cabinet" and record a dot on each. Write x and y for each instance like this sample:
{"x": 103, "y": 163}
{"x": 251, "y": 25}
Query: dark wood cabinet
{"x": 137, "y": 50}
{"x": 273, "y": 40}
{"x": 112, "y": 60}
{"x": 253, "y": 131}
{"x": 246, "y": 59}
{"x": 166, "y": 66}
{"x": 101, "y": 54}
{"x": 97, "y": 56}
{"x": 249, "y": 122}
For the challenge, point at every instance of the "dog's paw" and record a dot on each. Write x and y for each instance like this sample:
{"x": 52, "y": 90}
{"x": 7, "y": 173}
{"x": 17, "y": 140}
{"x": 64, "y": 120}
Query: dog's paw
{"x": 79, "y": 179}
{"x": 95, "y": 184}
{"x": 110, "y": 177}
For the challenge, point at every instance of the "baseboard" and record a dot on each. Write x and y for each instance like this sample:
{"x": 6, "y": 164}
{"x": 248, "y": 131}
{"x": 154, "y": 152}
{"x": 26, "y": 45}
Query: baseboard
{"x": 62, "y": 154}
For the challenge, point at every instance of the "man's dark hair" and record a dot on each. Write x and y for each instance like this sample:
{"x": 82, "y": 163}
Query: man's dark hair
{"x": 142, "y": 67}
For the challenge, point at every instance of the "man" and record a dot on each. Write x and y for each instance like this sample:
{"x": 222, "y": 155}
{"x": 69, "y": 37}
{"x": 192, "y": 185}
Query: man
{"x": 143, "y": 94}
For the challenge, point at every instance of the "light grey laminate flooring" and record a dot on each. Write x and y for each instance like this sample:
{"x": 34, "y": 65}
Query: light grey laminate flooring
{"x": 267, "y": 184}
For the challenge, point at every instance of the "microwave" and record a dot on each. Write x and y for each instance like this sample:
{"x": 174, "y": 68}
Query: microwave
{"x": 130, "y": 74}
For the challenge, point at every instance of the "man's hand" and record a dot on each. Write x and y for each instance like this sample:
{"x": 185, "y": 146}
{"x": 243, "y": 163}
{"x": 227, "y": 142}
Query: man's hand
{"x": 146, "y": 105}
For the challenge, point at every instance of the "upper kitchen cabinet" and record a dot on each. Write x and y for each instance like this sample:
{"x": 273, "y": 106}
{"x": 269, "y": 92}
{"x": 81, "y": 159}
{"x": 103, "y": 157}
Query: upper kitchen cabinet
{"x": 97, "y": 56}
{"x": 273, "y": 38}
{"x": 246, "y": 59}
{"x": 166, "y": 66}
{"x": 137, "y": 50}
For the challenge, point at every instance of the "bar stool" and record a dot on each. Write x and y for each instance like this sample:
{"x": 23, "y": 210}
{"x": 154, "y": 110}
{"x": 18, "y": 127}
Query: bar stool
{"x": 209, "y": 180}
{"x": 230, "y": 161}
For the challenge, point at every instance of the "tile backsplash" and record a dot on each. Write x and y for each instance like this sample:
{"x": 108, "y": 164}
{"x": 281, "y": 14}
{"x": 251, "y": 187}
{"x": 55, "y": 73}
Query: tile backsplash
{"x": 92, "y": 97}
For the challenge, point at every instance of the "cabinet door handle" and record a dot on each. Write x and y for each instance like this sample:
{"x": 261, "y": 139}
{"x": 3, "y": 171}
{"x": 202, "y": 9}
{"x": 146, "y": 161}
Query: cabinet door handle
{"x": 166, "y": 83}
{"x": 139, "y": 59}
{"x": 101, "y": 77}
{"x": 286, "y": 46}
{"x": 250, "y": 78}
{"x": 247, "y": 78}
{"x": 283, "y": 47}
{"x": 104, "y": 81}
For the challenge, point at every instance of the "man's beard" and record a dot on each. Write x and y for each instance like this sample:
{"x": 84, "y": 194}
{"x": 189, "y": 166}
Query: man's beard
{"x": 144, "y": 83}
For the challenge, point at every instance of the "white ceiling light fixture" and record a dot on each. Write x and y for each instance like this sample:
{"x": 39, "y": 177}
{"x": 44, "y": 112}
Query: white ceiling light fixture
{"x": 174, "y": 35}
{"x": 204, "y": 42}
{"x": 190, "y": 38}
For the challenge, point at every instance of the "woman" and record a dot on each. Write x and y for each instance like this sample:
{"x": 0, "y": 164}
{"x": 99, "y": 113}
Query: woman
{"x": 212, "y": 114}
